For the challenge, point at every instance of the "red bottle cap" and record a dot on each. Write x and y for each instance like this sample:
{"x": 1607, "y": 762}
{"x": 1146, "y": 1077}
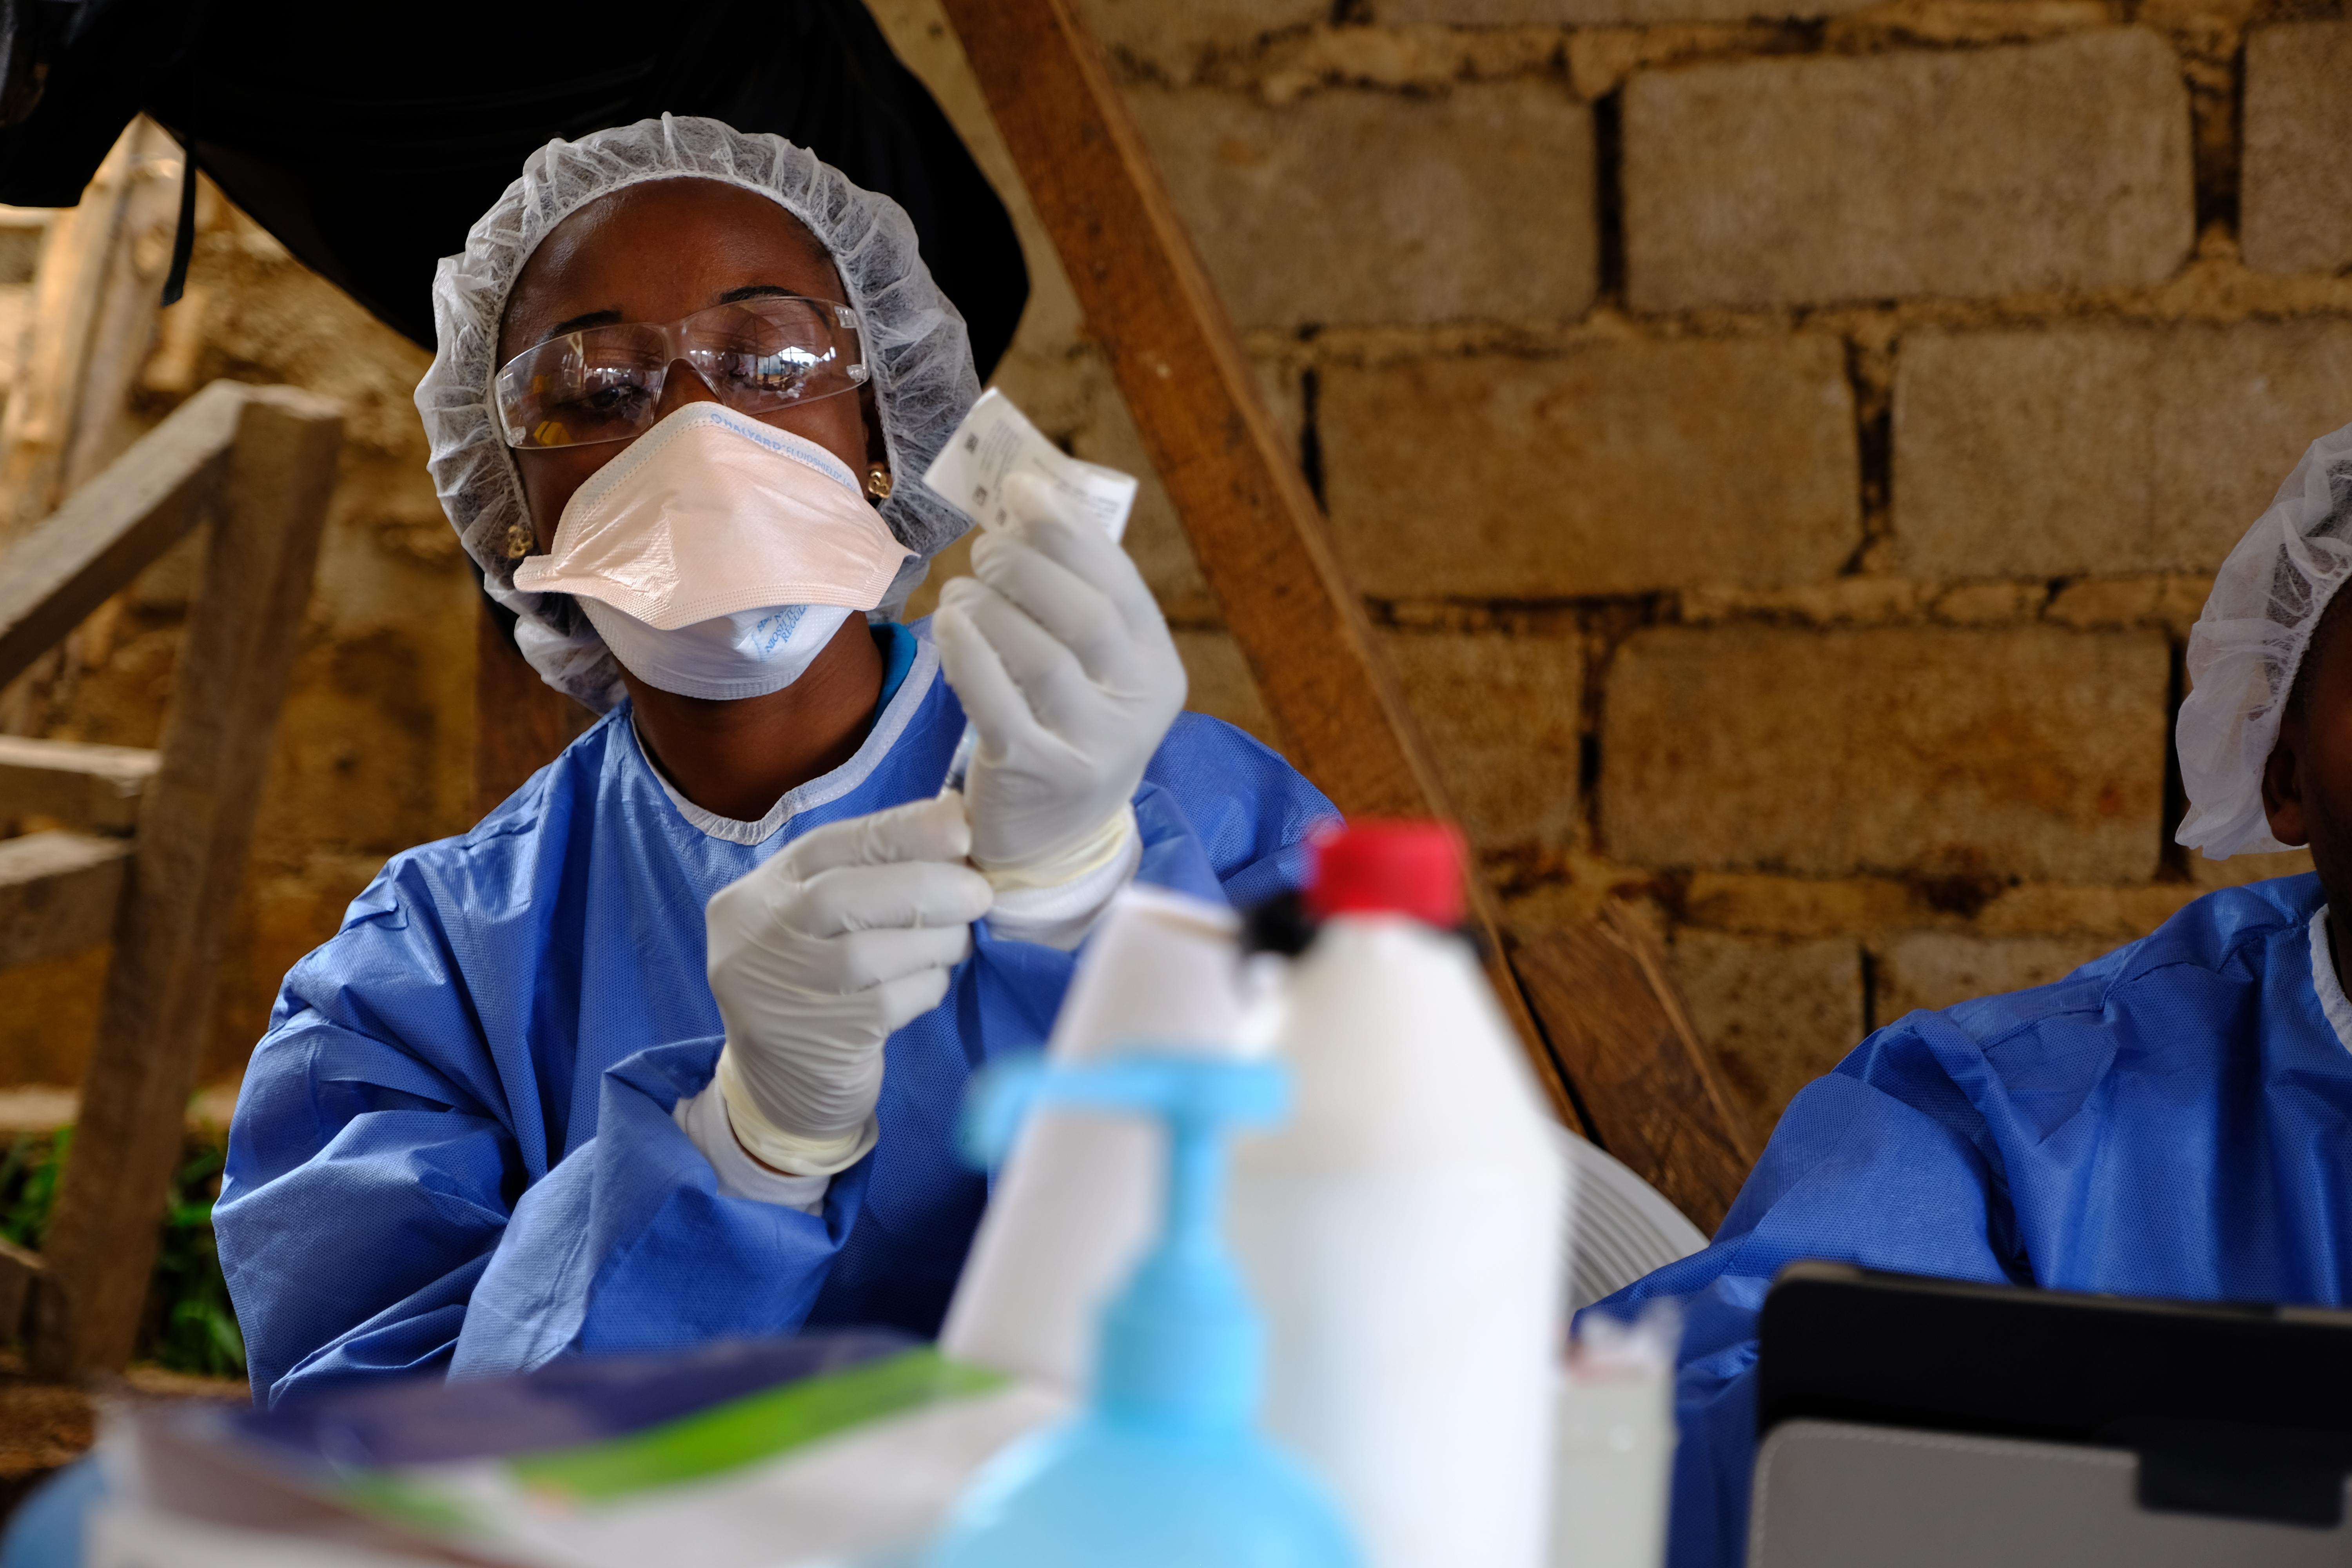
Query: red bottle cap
{"x": 1388, "y": 868}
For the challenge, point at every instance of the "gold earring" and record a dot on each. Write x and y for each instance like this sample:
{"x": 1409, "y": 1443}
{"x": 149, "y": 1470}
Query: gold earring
{"x": 878, "y": 482}
{"x": 520, "y": 540}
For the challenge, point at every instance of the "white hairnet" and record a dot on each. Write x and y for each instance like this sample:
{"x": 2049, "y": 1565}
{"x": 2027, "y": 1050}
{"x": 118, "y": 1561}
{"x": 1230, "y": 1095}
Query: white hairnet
{"x": 2246, "y": 648}
{"x": 914, "y": 343}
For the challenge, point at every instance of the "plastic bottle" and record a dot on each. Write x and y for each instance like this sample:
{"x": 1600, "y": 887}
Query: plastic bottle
{"x": 1615, "y": 1450}
{"x": 1074, "y": 1205}
{"x": 1406, "y": 1232}
{"x": 1165, "y": 1470}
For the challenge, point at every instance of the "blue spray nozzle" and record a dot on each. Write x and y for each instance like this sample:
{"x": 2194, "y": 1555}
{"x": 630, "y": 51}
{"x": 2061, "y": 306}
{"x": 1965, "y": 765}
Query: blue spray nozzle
{"x": 1203, "y": 1094}
{"x": 1166, "y": 1469}
{"x": 1181, "y": 1343}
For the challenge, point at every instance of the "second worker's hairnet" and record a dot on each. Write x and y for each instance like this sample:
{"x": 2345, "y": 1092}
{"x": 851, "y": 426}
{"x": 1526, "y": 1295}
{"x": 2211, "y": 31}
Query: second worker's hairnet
{"x": 2247, "y": 647}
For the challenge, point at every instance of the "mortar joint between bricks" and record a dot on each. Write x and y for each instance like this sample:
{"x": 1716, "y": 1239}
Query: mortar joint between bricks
{"x": 1604, "y": 626}
{"x": 1867, "y": 960}
{"x": 2172, "y": 856}
{"x": 1310, "y": 434}
{"x": 2224, "y": 292}
{"x": 1870, "y": 374}
{"x": 1524, "y": 617}
{"x": 1609, "y": 200}
{"x": 1967, "y": 29}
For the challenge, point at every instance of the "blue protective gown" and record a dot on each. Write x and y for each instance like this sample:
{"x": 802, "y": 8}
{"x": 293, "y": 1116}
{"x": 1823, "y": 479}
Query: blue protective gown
{"x": 454, "y": 1147}
{"x": 2172, "y": 1119}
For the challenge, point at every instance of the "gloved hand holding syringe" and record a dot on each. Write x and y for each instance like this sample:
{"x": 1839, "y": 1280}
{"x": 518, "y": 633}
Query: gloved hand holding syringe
{"x": 976, "y": 472}
{"x": 1060, "y": 654}
{"x": 1065, "y": 670}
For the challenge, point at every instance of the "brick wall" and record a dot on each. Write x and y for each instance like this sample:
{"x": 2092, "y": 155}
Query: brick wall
{"x": 1783, "y": 452}
{"x": 1786, "y": 450}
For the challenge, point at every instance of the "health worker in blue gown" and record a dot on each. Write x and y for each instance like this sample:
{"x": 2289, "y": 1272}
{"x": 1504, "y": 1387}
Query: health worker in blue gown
{"x": 2173, "y": 1119}
{"x": 671, "y": 1046}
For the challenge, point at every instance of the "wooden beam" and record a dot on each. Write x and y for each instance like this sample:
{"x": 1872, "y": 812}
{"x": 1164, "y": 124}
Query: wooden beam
{"x": 96, "y": 297}
{"x": 94, "y": 788}
{"x": 114, "y": 528}
{"x": 243, "y": 630}
{"x": 41, "y": 1109}
{"x": 37, "y": 1108}
{"x": 1655, "y": 1098}
{"x": 129, "y": 304}
{"x": 46, "y": 401}
{"x": 1260, "y": 537}
{"x": 58, "y": 894}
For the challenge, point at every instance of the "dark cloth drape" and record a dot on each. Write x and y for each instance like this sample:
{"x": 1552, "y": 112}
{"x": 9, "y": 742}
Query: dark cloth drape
{"x": 369, "y": 137}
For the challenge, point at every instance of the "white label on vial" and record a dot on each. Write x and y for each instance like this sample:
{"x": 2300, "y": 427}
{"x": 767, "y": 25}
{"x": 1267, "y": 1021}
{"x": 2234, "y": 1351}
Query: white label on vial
{"x": 995, "y": 442}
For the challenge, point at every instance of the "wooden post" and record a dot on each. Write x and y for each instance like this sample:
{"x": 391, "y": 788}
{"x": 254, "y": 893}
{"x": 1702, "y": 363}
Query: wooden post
{"x": 46, "y": 399}
{"x": 195, "y": 826}
{"x": 95, "y": 301}
{"x": 1261, "y": 539}
{"x": 114, "y": 528}
{"x": 96, "y": 296}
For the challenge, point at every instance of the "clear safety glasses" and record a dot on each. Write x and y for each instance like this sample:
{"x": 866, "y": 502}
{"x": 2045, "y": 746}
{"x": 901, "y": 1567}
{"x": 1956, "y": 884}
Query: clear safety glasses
{"x": 603, "y": 384}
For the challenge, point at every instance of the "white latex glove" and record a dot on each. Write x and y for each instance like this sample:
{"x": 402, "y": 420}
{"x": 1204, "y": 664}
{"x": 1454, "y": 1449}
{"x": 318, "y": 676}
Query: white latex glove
{"x": 1066, "y": 670}
{"x": 817, "y": 956}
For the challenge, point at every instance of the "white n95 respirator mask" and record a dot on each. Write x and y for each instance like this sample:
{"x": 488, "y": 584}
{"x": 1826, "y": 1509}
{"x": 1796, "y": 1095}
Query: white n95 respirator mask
{"x": 725, "y": 659}
{"x": 717, "y": 556}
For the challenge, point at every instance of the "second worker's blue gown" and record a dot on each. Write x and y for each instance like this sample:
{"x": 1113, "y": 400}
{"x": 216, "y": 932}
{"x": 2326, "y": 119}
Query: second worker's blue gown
{"x": 454, "y": 1147}
{"x": 2172, "y": 1119}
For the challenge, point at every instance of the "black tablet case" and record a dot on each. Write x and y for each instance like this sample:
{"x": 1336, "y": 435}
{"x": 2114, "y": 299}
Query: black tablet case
{"x": 1942, "y": 1424}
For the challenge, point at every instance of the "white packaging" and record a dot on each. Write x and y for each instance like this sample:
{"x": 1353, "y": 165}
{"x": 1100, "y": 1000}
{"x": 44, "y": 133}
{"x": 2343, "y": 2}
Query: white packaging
{"x": 996, "y": 441}
{"x": 992, "y": 443}
{"x": 855, "y": 1468}
{"x": 1404, "y": 1235}
{"x": 880, "y": 1488}
{"x": 128, "y": 1535}
{"x": 1614, "y": 1458}
{"x": 1074, "y": 1206}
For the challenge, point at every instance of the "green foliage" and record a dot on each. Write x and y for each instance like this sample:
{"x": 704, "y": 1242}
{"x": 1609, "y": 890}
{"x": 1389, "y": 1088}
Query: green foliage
{"x": 28, "y": 1184}
{"x": 190, "y": 1325}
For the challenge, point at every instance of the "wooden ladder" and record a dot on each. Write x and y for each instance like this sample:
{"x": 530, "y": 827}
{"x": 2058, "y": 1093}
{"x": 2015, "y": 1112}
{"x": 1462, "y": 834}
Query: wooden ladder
{"x": 155, "y": 851}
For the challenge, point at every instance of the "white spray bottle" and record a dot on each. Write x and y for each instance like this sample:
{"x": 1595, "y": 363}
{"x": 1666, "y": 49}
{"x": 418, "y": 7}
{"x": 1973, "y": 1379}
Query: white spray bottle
{"x": 1405, "y": 1232}
{"x": 1074, "y": 1206}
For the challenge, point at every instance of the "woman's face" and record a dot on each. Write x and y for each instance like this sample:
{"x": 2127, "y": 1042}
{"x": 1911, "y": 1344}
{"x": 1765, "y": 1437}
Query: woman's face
{"x": 657, "y": 252}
